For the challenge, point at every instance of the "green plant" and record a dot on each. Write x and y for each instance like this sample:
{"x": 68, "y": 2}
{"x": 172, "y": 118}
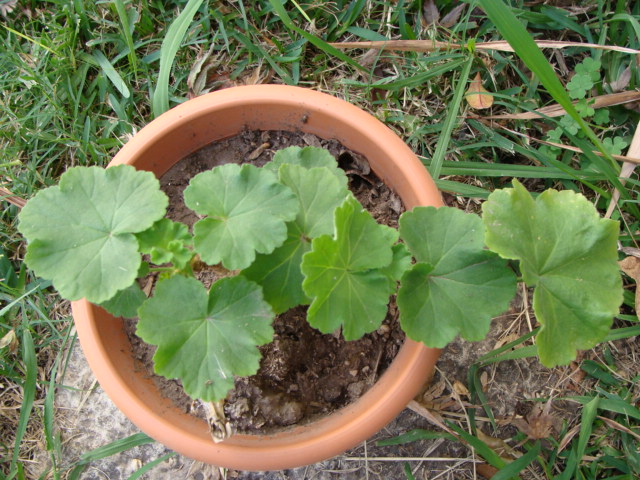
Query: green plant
{"x": 291, "y": 233}
{"x": 586, "y": 77}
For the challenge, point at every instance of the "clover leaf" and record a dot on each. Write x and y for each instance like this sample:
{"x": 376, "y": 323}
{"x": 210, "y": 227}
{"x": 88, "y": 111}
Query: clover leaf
{"x": 614, "y": 145}
{"x": 456, "y": 287}
{"x": 307, "y": 157}
{"x": 345, "y": 276}
{"x": 589, "y": 67}
{"x": 319, "y": 193}
{"x": 205, "y": 338}
{"x": 569, "y": 254}
{"x": 247, "y": 210}
{"x": 579, "y": 85}
{"x": 80, "y": 233}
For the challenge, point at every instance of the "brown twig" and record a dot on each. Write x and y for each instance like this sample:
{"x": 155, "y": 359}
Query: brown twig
{"x": 8, "y": 196}
{"x": 430, "y": 45}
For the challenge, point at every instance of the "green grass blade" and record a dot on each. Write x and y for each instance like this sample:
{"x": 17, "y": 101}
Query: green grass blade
{"x": 144, "y": 469}
{"x": 408, "y": 473}
{"x": 254, "y": 48}
{"x": 28, "y": 393}
{"x": 413, "y": 436}
{"x": 32, "y": 40}
{"x": 481, "y": 448}
{"x": 366, "y": 34}
{"x": 620, "y": 333}
{"x": 450, "y": 121}
{"x": 38, "y": 286}
{"x": 463, "y": 189}
{"x": 589, "y": 412}
{"x": 420, "y": 78}
{"x": 523, "y": 352}
{"x": 515, "y": 33}
{"x": 111, "y": 73}
{"x": 514, "y": 468}
{"x": 278, "y": 7}
{"x": 478, "y": 396}
{"x": 494, "y": 355}
{"x": 48, "y": 407}
{"x": 612, "y": 404}
{"x": 124, "y": 24}
{"x": 498, "y": 170}
{"x": 625, "y": 17}
{"x": 108, "y": 450}
{"x": 168, "y": 50}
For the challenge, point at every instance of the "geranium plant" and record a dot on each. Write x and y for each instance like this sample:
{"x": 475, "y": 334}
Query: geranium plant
{"x": 291, "y": 233}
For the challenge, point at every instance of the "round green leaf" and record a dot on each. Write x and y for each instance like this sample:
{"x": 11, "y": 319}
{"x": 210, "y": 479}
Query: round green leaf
{"x": 307, "y": 157}
{"x": 125, "y": 303}
{"x": 204, "y": 339}
{"x": 279, "y": 272}
{"x": 80, "y": 233}
{"x": 457, "y": 287}
{"x": 345, "y": 276}
{"x": 569, "y": 254}
{"x": 319, "y": 194}
{"x": 247, "y": 210}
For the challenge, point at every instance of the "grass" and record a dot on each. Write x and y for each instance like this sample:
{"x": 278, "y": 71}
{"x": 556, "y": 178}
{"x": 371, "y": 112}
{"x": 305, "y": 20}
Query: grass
{"x": 79, "y": 78}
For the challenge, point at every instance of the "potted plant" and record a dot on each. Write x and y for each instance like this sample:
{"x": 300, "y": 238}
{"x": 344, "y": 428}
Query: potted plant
{"x": 344, "y": 265}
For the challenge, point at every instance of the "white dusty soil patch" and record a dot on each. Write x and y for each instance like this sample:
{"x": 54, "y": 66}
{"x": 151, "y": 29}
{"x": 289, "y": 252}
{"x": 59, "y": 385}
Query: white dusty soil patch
{"x": 87, "y": 418}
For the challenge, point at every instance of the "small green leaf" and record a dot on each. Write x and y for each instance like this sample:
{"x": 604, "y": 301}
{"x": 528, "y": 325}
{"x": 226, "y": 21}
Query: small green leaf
{"x": 457, "y": 287}
{"x": 601, "y": 116}
{"x": 579, "y": 85}
{"x": 319, "y": 193}
{"x": 81, "y": 232}
{"x": 555, "y": 135}
{"x": 125, "y": 303}
{"x": 247, "y": 212}
{"x": 279, "y": 272}
{"x": 569, "y": 124}
{"x": 167, "y": 242}
{"x": 345, "y": 276}
{"x": 569, "y": 254}
{"x": 590, "y": 67}
{"x": 584, "y": 109}
{"x": 399, "y": 264}
{"x": 307, "y": 157}
{"x": 615, "y": 145}
{"x": 204, "y": 339}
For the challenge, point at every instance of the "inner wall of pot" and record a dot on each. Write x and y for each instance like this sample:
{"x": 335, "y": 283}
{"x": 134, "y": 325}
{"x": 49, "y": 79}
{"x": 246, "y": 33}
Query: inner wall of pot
{"x": 198, "y": 131}
{"x": 175, "y": 136}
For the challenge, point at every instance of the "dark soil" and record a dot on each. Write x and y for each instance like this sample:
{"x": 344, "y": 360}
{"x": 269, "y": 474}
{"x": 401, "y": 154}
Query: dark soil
{"x": 303, "y": 373}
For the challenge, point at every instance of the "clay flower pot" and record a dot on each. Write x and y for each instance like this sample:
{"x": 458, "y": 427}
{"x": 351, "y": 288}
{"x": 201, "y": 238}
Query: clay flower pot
{"x": 175, "y": 135}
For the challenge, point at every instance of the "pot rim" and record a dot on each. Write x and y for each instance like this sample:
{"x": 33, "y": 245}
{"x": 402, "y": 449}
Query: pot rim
{"x": 309, "y": 111}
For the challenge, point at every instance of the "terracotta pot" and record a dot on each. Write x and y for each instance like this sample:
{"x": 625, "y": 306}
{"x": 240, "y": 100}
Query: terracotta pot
{"x": 159, "y": 146}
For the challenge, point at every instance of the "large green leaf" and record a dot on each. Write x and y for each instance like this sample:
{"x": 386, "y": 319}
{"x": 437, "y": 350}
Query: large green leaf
{"x": 569, "y": 254}
{"x": 247, "y": 210}
{"x": 81, "y": 232}
{"x": 345, "y": 275}
{"x": 307, "y": 157}
{"x": 204, "y": 339}
{"x": 279, "y": 272}
{"x": 125, "y": 303}
{"x": 319, "y": 193}
{"x": 456, "y": 287}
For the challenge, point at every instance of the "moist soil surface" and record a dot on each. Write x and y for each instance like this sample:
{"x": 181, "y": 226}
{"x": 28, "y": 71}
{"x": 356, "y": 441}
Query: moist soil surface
{"x": 303, "y": 373}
